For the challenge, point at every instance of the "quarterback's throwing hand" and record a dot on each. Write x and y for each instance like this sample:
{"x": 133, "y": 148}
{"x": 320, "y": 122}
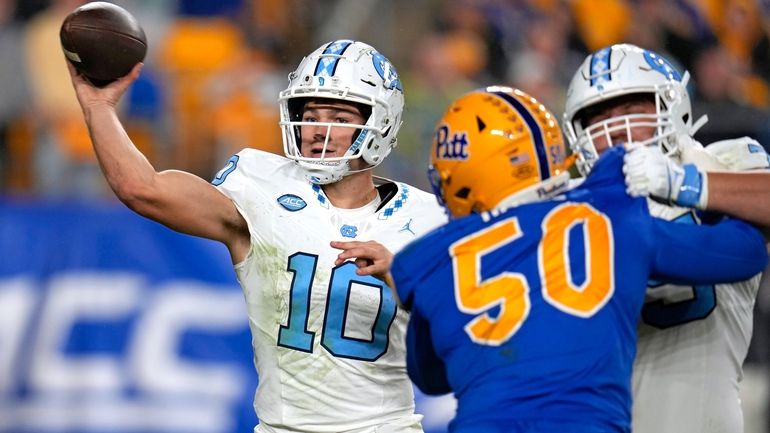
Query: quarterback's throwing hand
{"x": 90, "y": 96}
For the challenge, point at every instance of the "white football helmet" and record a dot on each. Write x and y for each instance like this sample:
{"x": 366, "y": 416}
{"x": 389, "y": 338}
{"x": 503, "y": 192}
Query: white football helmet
{"x": 354, "y": 72}
{"x": 617, "y": 71}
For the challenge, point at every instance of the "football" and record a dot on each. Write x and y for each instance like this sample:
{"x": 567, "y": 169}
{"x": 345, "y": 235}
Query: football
{"x": 103, "y": 41}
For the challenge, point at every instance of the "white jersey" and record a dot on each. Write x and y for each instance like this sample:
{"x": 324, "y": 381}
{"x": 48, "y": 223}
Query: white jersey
{"x": 328, "y": 345}
{"x": 691, "y": 347}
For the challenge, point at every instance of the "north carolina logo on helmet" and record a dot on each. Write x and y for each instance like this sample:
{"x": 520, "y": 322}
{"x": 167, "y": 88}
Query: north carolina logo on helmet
{"x": 455, "y": 148}
{"x": 387, "y": 71}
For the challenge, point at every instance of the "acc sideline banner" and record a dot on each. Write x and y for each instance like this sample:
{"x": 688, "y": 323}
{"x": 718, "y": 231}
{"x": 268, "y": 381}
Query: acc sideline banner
{"x": 112, "y": 323}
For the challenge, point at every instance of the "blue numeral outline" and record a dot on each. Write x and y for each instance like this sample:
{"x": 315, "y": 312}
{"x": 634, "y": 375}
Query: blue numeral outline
{"x": 295, "y": 335}
{"x": 662, "y": 314}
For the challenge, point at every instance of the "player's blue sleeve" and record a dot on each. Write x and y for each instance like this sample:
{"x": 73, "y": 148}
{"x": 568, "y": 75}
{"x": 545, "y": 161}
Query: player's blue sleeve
{"x": 423, "y": 364}
{"x": 402, "y": 279}
{"x": 728, "y": 251}
{"x": 413, "y": 264}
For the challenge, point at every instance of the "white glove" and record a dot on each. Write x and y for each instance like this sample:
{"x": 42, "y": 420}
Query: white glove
{"x": 740, "y": 154}
{"x": 692, "y": 152}
{"x": 648, "y": 172}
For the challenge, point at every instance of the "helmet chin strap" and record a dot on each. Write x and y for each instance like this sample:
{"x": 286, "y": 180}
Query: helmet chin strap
{"x": 334, "y": 172}
{"x": 358, "y": 171}
{"x": 326, "y": 172}
{"x": 323, "y": 173}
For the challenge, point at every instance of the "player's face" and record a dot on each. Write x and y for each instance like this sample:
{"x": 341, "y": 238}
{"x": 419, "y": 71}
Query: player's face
{"x": 340, "y": 138}
{"x": 621, "y": 107}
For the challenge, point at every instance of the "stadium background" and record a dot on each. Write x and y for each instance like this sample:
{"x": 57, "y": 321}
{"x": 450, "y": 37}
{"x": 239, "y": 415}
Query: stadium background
{"x": 112, "y": 323}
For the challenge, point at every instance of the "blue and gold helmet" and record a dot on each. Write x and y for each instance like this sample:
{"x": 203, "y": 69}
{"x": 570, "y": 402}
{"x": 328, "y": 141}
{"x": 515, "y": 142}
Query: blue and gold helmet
{"x": 494, "y": 147}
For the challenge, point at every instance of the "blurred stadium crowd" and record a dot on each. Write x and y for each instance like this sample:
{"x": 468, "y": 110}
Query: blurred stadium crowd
{"x": 214, "y": 70}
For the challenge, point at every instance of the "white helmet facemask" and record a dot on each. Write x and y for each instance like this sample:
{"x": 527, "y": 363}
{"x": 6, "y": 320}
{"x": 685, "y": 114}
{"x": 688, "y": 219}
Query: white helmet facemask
{"x": 355, "y": 73}
{"x": 622, "y": 71}
{"x": 324, "y": 169}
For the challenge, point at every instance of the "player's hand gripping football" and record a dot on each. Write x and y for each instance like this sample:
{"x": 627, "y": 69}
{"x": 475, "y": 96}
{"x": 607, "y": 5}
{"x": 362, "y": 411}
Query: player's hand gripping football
{"x": 91, "y": 96}
{"x": 371, "y": 258}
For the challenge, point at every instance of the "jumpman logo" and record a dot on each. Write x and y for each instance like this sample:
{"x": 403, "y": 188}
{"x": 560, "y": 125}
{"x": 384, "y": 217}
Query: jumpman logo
{"x": 408, "y": 228}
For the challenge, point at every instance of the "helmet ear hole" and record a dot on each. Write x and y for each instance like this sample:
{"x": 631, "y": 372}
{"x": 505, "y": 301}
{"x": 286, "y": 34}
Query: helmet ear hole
{"x": 295, "y": 106}
{"x": 463, "y": 193}
{"x": 366, "y": 111}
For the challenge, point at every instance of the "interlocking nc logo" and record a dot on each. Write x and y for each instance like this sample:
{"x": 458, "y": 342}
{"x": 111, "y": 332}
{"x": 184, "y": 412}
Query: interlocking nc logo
{"x": 387, "y": 72}
{"x": 349, "y": 231}
{"x": 454, "y": 148}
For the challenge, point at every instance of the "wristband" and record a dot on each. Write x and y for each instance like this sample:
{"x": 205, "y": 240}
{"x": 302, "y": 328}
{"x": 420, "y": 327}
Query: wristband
{"x": 692, "y": 187}
{"x": 704, "y": 192}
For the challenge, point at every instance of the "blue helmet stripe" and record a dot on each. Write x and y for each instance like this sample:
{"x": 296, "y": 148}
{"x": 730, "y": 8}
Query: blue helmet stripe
{"x": 600, "y": 66}
{"x": 534, "y": 128}
{"x": 327, "y": 66}
{"x": 660, "y": 64}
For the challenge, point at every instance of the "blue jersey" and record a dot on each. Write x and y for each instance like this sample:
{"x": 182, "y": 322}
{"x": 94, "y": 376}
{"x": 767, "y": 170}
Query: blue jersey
{"x": 529, "y": 315}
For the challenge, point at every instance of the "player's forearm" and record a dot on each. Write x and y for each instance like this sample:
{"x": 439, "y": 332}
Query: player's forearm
{"x": 126, "y": 169}
{"x": 730, "y": 250}
{"x": 742, "y": 195}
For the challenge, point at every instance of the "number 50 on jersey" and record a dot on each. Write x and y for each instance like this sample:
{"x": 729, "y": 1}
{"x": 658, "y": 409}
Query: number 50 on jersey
{"x": 511, "y": 290}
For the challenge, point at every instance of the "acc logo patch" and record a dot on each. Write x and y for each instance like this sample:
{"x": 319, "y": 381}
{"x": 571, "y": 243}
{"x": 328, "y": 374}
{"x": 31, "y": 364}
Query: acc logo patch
{"x": 291, "y": 202}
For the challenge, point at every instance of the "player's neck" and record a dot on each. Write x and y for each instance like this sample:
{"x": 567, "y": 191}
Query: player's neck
{"x": 352, "y": 192}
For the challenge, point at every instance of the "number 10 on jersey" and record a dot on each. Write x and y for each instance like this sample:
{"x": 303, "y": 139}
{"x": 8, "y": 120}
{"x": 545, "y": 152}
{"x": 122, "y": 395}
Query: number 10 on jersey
{"x": 295, "y": 335}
